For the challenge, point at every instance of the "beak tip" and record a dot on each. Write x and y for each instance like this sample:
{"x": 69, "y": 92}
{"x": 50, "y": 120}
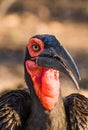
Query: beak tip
{"x": 77, "y": 85}
{"x": 79, "y": 77}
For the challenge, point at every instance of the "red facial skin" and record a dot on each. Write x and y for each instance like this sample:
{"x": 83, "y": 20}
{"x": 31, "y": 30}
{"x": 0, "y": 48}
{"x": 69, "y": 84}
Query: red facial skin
{"x": 30, "y": 49}
{"x": 46, "y": 80}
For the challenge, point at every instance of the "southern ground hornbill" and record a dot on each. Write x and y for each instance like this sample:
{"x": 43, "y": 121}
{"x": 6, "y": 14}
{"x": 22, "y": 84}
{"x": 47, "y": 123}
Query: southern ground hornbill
{"x": 41, "y": 107}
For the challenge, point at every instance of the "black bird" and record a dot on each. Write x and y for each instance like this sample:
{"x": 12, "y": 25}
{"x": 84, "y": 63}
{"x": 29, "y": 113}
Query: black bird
{"x": 42, "y": 106}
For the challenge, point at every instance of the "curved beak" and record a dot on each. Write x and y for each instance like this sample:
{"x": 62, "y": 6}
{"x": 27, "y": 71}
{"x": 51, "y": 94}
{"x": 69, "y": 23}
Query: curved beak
{"x": 59, "y": 59}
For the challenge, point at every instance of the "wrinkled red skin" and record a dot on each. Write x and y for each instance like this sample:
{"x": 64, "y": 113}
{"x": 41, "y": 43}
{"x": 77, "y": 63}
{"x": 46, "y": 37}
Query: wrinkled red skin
{"x": 46, "y": 84}
{"x": 45, "y": 80}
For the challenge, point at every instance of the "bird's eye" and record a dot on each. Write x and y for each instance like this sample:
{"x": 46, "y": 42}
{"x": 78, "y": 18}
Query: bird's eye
{"x": 36, "y": 47}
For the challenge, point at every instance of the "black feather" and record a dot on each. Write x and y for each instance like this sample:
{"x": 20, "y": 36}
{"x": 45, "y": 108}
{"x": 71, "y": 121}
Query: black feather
{"x": 14, "y": 110}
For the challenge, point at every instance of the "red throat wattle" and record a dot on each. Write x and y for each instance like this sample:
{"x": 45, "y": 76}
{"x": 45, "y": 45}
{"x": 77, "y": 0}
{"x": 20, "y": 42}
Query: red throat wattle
{"x": 46, "y": 84}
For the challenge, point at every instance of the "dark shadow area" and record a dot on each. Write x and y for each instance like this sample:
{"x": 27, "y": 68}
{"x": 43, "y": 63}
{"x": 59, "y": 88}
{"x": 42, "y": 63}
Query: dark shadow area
{"x": 8, "y": 56}
{"x": 13, "y": 60}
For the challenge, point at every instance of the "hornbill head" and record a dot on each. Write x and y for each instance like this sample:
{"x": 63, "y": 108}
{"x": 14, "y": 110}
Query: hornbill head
{"x": 44, "y": 58}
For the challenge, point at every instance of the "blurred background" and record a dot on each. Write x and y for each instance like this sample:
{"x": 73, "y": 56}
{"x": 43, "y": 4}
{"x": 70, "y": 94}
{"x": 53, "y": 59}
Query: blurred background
{"x": 19, "y": 20}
